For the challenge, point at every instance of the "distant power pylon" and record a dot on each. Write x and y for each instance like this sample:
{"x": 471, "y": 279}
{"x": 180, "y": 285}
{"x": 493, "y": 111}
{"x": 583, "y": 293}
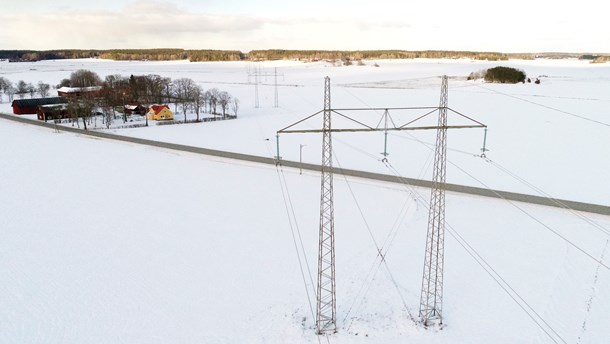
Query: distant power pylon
{"x": 275, "y": 103}
{"x": 256, "y": 74}
{"x": 257, "y": 81}
{"x": 431, "y": 301}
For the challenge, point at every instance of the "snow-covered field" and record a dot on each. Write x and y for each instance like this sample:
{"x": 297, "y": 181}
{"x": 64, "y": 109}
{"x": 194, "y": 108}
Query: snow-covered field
{"x": 113, "y": 242}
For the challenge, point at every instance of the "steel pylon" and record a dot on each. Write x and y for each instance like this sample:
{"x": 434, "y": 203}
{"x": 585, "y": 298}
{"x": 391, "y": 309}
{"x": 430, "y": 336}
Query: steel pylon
{"x": 326, "y": 316}
{"x": 431, "y": 301}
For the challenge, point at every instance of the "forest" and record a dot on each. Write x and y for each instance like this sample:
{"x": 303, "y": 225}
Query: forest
{"x": 277, "y": 54}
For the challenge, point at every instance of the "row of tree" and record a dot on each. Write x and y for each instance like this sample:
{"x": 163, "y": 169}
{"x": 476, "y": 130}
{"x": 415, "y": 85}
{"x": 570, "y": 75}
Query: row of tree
{"x": 275, "y": 54}
{"x": 118, "y": 90}
{"x": 255, "y": 55}
{"x": 313, "y": 55}
{"x": 22, "y": 88}
{"x": 123, "y": 54}
{"x": 36, "y": 55}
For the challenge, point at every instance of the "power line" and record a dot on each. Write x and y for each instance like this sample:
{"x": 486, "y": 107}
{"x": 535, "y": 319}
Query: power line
{"x": 288, "y": 206}
{"x": 525, "y": 212}
{"x": 381, "y": 253}
{"x": 585, "y": 218}
{"x": 504, "y": 285}
{"x": 548, "y": 107}
{"x": 534, "y": 218}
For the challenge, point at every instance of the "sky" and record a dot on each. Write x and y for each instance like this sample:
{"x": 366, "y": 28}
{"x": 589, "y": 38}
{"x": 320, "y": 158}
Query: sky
{"x": 473, "y": 25}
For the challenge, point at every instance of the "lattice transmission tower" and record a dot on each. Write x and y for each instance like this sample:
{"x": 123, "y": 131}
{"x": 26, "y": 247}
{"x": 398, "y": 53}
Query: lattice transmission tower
{"x": 432, "y": 285}
{"x": 431, "y": 301}
{"x": 258, "y": 75}
{"x": 326, "y": 315}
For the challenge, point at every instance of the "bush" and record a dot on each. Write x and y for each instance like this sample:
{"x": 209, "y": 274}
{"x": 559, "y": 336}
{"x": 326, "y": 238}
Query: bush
{"x": 504, "y": 75}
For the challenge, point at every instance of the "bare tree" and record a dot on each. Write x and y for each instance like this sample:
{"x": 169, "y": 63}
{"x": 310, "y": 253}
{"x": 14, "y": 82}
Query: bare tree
{"x": 155, "y": 87}
{"x": 206, "y": 101}
{"x": 184, "y": 93}
{"x": 43, "y": 89}
{"x": 22, "y": 89}
{"x": 235, "y": 106}
{"x": 84, "y": 78}
{"x": 166, "y": 83}
{"x": 31, "y": 90}
{"x": 114, "y": 81}
{"x": 10, "y": 92}
{"x": 85, "y": 106}
{"x": 224, "y": 98}
{"x": 112, "y": 94}
{"x": 4, "y": 84}
{"x": 213, "y": 99}
{"x": 198, "y": 103}
{"x": 64, "y": 83}
{"x": 73, "y": 111}
{"x": 107, "y": 103}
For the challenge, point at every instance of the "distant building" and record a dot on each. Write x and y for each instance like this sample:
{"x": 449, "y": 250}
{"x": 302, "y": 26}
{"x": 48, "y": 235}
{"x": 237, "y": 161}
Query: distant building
{"x": 159, "y": 112}
{"x": 52, "y": 111}
{"x": 78, "y": 91}
{"x": 135, "y": 109}
{"x": 30, "y": 106}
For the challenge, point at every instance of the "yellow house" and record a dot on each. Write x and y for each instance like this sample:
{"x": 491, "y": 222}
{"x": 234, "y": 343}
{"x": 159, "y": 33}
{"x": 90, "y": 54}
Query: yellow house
{"x": 159, "y": 112}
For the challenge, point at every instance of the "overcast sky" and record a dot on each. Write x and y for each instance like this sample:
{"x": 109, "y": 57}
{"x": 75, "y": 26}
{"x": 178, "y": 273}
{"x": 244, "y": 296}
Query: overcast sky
{"x": 476, "y": 25}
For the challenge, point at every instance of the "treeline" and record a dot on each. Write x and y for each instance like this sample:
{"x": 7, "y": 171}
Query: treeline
{"x": 598, "y": 59}
{"x": 255, "y": 55}
{"x": 33, "y": 55}
{"x": 171, "y": 55}
{"x": 123, "y": 55}
{"x": 314, "y": 55}
{"x": 276, "y": 54}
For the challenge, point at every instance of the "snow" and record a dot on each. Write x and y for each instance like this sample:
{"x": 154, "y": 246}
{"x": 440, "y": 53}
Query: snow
{"x": 528, "y": 123}
{"x": 113, "y": 242}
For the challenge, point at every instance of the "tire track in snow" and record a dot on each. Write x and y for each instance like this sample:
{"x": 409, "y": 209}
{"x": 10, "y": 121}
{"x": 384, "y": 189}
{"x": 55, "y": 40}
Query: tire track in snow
{"x": 589, "y": 303}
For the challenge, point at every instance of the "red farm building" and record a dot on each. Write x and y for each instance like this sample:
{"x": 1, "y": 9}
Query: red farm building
{"x": 135, "y": 109}
{"x": 30, "y": 106}
{"x": 52, "y": 112}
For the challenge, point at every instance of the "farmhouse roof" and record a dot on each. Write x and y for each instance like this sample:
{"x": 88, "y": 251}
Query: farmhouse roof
{"x": 38, "y": 101}
{"x": 158, "y": 108}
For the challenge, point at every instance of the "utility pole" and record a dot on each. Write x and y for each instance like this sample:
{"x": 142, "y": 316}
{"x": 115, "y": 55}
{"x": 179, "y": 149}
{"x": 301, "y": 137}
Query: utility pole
{"x": 301, "y": 158}
{"x": 431, "y": 301}
{"x": 326, "y": 316}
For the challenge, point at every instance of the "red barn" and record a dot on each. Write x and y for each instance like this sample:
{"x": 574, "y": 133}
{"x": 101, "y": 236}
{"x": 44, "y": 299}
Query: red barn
{"x": 30, "y": 106}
